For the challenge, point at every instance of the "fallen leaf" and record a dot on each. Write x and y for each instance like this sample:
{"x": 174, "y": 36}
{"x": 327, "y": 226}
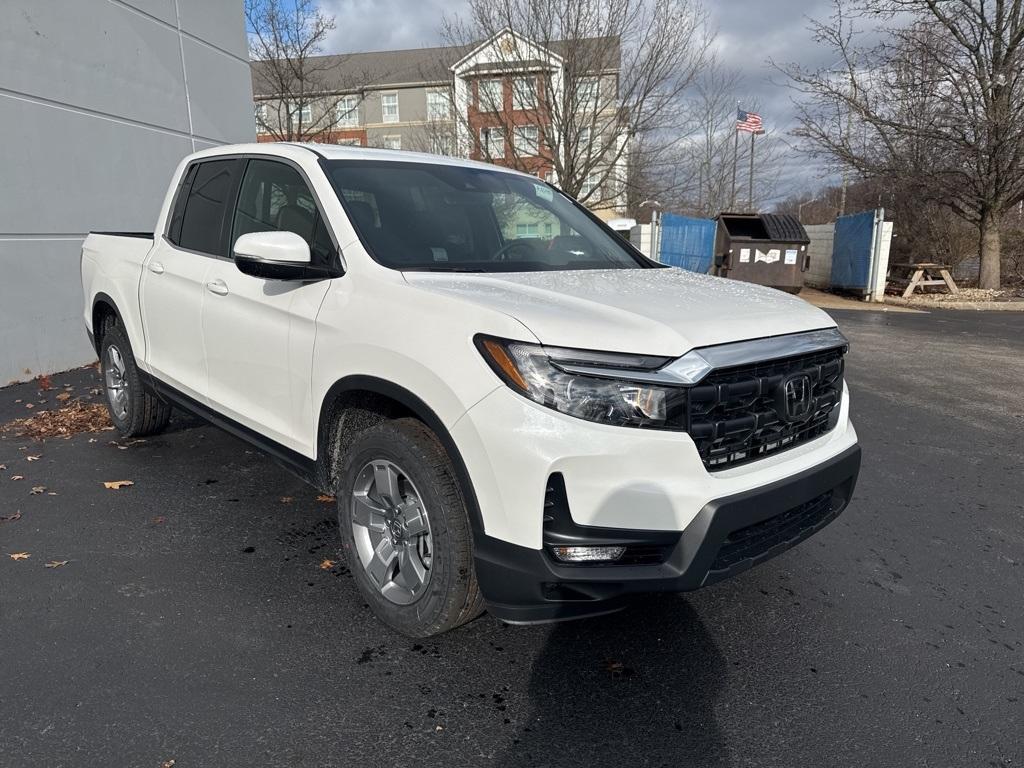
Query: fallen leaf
{"x": 17, "y": 477}
{"x": 115, "y": 485}
{"x": 159, "y": 520}
{"x": 33, "y": 458}
{"x": 29, "y": 405}
{"x": 56, "y": 563}
{"x": 325, "y": 498}
{"x": 287, "y": 499}
{"x": 44, "y": 382}
{"x": 3, "y": 467}
{"x": 11, "y": 518}
{"x": 20, "y": 556}
{"x": 326, "y": 565}
{"x": 37, "y": 489}
{"x": 167, "y": 764}
{"x": 70, "y": 419}
{"x": 64, "y": 396}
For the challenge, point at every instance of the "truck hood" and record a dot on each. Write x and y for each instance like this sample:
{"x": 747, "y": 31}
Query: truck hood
{"x": 646, "y": 311}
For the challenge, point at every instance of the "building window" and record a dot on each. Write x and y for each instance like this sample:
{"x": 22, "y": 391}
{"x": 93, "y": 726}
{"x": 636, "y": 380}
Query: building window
{"x": 389, "y": 107}
{"x": 261, "y": 117}
{"x": 303, "y": 113}
{"x": 591, "y": 184}
{"x": 524, "y": 93}
{"x": 391, "y": 142}
{"x": 528, "y": 230}
{"x": 349, "y": 143}
{"x": 588, "y": 91}
{"x": 441, "y": 144}
{"x": 347, "y": 111}
{"x": 583, "y": 148}
{"x": 438, "y": 105}
{"x": 492, "y": 142}
{"x": 525, "y": 138}
{"x": 490, "y": 96}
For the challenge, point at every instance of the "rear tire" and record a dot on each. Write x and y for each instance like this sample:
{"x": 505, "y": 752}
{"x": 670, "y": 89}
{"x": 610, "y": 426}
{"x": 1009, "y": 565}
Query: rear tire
{"x": 405, "y": 529}
{"x": 134, "y": 409}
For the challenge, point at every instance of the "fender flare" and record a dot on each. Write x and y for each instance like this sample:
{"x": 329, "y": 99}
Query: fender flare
{"x": 420, "y": 410}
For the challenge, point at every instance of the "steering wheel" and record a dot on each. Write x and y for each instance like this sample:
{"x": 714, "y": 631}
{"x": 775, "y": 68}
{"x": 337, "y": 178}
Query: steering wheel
{"x": 505, "y": 252}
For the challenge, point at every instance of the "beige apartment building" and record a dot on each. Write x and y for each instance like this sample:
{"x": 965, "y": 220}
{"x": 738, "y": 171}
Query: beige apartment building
{"x": 485, "y": 102}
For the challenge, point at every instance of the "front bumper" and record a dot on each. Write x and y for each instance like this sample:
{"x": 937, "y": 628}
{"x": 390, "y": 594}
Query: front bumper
{"x": 727, "y": 536}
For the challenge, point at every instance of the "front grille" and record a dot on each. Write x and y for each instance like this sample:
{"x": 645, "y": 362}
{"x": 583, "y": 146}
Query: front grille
{"x": 757, "y": 541}
{"x": 733, "y": 414}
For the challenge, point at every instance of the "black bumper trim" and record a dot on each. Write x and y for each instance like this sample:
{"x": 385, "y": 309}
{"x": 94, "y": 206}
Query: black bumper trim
{"x": 525, "y": 585}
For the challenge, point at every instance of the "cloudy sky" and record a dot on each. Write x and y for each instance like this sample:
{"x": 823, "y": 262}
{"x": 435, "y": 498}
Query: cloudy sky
{"x": 750, "y": 32}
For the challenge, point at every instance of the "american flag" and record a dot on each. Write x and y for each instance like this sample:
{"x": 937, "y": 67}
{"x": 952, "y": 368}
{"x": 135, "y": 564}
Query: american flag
{"x": 749, "y": 121}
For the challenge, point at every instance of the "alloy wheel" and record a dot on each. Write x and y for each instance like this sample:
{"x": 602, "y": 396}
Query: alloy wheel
{"x": 116, "y": 382}
{"x": 391, "y": 530}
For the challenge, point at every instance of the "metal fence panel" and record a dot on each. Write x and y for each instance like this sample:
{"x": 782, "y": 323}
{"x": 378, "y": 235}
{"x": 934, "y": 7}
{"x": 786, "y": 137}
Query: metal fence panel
{"x": 687, "y": 243}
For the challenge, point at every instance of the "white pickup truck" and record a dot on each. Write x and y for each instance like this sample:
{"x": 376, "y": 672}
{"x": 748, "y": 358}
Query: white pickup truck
{"x": 515, "y": 409}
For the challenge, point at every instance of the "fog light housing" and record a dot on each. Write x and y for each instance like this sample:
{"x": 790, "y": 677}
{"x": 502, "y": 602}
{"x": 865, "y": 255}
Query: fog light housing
{"x": 587, "y": 554}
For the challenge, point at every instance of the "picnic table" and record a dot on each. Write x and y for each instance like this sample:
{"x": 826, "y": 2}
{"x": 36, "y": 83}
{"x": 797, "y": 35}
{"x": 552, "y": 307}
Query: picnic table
{"x": 921, "y": 275}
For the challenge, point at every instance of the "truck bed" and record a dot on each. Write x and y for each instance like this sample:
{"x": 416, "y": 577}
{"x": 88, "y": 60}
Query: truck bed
{"x": 114, "y": 261}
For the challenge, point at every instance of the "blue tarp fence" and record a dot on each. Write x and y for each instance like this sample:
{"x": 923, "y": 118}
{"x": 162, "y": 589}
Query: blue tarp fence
{"x": 852, "y": 250}
{"x": 687, "y": 243}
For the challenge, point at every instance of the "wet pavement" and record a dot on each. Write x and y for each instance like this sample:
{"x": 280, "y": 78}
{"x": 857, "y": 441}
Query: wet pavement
{"x": 193, "y": 621}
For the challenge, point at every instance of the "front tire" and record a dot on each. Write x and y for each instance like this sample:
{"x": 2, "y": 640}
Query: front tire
{"x": 134, "y": 409}
{"x": 405, "y": 530}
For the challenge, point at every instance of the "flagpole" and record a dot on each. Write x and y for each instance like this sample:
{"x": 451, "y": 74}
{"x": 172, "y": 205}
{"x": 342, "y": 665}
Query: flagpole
{"x": 735, "y": 161}
{"x": 750, "y": 197}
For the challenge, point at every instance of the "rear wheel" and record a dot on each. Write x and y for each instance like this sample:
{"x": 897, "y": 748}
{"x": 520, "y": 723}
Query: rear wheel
{"x": 405, "y": 529}
{"x": 134, "y": 409}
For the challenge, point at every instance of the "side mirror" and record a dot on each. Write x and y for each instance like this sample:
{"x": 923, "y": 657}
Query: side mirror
{"x": 274, "y": 256}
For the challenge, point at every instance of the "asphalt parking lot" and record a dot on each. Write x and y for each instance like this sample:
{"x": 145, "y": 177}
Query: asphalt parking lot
{"x": 193, "y": 621}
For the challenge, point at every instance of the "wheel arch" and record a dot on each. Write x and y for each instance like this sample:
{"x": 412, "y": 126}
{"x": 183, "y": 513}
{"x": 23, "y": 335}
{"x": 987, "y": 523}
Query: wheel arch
{"x": 103, "y": 306}
{"x": 358, "y": 391}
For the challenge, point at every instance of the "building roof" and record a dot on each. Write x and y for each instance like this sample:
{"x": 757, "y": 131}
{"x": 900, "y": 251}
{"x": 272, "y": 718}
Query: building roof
{"x": 374, "y": 70}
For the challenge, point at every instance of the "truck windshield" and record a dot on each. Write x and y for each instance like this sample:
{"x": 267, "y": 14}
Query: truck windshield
{"x": 445, "y": 218}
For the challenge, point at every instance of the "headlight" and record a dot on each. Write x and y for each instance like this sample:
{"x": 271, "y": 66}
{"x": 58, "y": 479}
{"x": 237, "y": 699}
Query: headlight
{"x": 540, "y": 374}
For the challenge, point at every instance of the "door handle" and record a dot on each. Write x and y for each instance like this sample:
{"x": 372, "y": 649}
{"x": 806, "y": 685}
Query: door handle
{"x": 156, "y": 267}
{"x": 218, "y": 287}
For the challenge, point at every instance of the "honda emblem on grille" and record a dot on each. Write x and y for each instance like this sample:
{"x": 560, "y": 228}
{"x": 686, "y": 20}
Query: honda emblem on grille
{"x": 797, "y": 398}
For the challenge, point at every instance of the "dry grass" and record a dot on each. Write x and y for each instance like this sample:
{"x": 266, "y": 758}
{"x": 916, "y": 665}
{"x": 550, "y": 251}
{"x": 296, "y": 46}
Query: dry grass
{"x": 968, "y": 294}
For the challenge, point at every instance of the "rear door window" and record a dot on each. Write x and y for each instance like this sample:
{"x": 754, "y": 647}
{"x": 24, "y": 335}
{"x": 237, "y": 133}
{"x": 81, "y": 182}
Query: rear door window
{"x": 202, "y": 221}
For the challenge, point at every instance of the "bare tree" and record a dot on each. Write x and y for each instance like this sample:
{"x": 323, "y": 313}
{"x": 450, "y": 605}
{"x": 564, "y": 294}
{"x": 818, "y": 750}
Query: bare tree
{"x": 694, "y": 174}
{"x": 622, "y": 67}
{"x": 298, "y": 93}
{"x": 936, "y": 104}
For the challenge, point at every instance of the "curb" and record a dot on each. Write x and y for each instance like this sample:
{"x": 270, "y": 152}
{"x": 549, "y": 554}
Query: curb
{"x": 1013, "y": 305}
